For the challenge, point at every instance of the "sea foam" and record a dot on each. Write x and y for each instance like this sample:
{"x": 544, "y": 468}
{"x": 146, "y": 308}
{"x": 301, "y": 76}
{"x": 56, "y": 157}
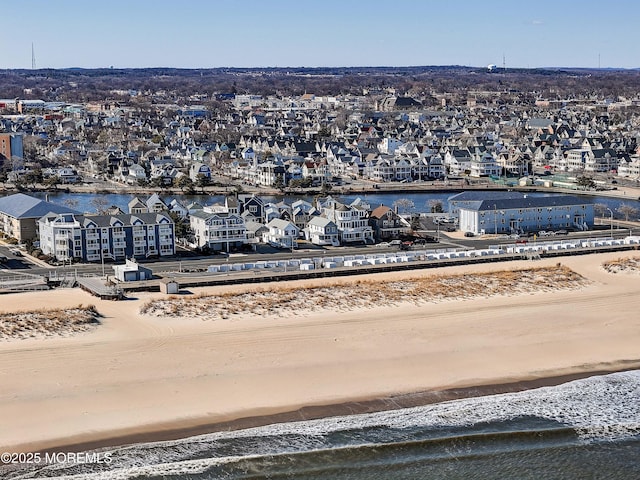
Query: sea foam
{"x": 599, "y": 408}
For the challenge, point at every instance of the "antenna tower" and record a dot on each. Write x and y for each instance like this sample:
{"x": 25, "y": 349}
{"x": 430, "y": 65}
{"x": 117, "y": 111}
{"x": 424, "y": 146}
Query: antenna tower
{"x": 33, "y": 57}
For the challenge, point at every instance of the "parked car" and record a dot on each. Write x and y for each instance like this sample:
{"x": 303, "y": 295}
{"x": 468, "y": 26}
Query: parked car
{"x": 469, "y": 234}
{"x": 406, "y": 245}
{"x": 16, "y": 252}
{"x": 383, "y": 244}
{"x": 562, "y": 232}
{"x": 543, "y": 233}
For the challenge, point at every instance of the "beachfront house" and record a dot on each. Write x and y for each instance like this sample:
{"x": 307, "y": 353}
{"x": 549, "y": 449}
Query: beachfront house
{"x": 322, "y": 231}
{"x": 387, "y": 224}
{"x": 95, "y": 238}
{"x": 217, "y": 229}
{"x": 282, "y": 234}
{"x": 352, "y": 220}
{"x": 19, "y": 214}
{"x": 527, "y": 214}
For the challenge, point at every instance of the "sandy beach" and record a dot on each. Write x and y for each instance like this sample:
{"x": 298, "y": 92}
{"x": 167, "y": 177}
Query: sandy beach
{"x": 149, "y": 375}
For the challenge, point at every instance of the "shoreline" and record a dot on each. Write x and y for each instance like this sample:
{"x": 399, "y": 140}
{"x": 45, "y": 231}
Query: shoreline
{"x": 178, "y": 429}
{"x": 631, "y": 193}
{"x": 144, "y": 378}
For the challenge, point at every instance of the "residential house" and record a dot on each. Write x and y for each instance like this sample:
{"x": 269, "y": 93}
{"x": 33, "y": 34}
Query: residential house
{"x": 197, "y": 170}
{"x": 322, "y": 231}
{"x": 137, "y": 206}
{"x": 178, "y": 208}
{"x": 457, "y": 161}
{"x": 282, "y": 234}
{"x": 351, "y": 220}
{"x": 19, "y": 214}
{"x": 387, "y": 224}
{"x": 156, "y": 204}
{"x": 484, "y": 165}
{"x": 629, "y": 167}
{"x": 302, "y": 212}
{"x": 136, "y": 175}
{"x": 252, "y": 204}
{"x": 218, "y": 230}
{"x": 66, "y": 175}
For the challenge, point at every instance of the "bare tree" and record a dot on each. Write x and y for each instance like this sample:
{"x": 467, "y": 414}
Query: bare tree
{"x": 627, "y": 210}
{"x": 435, "y": 205}
{"x": 403, "y": 205}
{"x": 600, "y": 209}
{"x": 71, "y": 203}
{"x": 101, "y": 205}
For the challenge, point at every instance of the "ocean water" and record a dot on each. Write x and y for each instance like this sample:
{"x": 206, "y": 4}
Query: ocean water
{"x": 585, "y": 429}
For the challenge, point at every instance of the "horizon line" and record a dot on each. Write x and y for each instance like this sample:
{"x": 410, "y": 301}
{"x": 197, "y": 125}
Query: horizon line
{"x": 496, "y": 70}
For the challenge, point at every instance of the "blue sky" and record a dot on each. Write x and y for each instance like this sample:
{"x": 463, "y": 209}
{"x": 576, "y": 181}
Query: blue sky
{"x": 294, "y": 33}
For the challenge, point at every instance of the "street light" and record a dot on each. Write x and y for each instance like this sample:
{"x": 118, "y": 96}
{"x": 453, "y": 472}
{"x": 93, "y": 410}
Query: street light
{"x": 611, "y": 212}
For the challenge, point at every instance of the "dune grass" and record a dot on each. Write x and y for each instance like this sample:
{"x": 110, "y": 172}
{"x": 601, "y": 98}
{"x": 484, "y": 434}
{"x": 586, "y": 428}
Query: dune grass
{"x": 44, "y": 323}
{"x": 279, "y": 300}
{"x": 623, "y": 265}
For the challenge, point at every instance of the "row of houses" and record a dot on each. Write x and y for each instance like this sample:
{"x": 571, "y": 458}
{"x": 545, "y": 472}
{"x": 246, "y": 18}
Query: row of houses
{"x": 280, "y": 140}
{"x": 148, "y": 228}
{"x": 248, "y": 219}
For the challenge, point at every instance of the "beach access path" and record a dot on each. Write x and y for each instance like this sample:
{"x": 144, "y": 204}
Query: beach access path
{"x": 138, "y": 374}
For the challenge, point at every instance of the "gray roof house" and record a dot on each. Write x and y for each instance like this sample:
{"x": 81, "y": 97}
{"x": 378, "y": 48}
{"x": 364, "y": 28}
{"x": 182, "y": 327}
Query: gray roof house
{"x": 19, "y": 214}
{"x": 527, "y": 214}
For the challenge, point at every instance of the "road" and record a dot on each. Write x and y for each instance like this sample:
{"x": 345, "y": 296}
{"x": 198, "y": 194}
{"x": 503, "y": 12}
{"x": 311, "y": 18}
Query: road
{"x": 188, "y": 262}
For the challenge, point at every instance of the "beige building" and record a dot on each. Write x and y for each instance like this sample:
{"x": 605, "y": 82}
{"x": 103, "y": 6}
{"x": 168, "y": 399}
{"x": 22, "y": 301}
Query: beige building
{"x": 19, "y": 215}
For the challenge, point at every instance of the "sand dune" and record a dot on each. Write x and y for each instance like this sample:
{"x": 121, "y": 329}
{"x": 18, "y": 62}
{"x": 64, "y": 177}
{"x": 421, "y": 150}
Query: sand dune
{"x": 141, "y": 372}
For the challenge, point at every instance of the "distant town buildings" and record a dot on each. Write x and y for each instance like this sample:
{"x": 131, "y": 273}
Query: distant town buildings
{"x": 311, "y": 140}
